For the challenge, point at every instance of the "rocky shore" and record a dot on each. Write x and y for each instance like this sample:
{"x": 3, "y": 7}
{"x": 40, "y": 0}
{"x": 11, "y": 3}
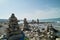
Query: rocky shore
{"x": 32, "y": 30}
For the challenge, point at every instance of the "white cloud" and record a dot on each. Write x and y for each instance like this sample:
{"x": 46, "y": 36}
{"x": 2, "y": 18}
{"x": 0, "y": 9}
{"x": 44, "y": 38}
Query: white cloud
{"x": 48, "y": 13}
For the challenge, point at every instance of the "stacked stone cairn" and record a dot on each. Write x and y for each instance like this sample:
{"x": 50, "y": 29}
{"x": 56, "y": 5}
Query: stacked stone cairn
{"x": 13, "y": 31}
{"x": 26, "y": 25}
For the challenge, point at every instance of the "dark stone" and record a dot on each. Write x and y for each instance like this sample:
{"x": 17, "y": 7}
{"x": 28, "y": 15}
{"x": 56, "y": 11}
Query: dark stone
{"x": 26, "y": 25}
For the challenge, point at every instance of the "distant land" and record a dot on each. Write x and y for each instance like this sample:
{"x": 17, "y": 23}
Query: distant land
{"x": 3, "y": 20}
{"x": 50, "y": 20}
{"x": 42, "y": 20}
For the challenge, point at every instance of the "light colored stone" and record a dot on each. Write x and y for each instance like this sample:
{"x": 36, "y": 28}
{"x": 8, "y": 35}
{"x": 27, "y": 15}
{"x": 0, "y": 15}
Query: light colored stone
{"x": 57, "y": 38}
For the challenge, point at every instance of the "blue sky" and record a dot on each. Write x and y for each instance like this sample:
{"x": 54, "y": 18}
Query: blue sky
{"x": 30, "y": 9}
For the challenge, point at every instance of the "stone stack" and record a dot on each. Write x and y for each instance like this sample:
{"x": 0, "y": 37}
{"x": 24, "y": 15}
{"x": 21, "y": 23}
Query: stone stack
{"x": 50, "y": 33}
{"x": 14, "y": 32}
{"x": 26, "y": 25}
